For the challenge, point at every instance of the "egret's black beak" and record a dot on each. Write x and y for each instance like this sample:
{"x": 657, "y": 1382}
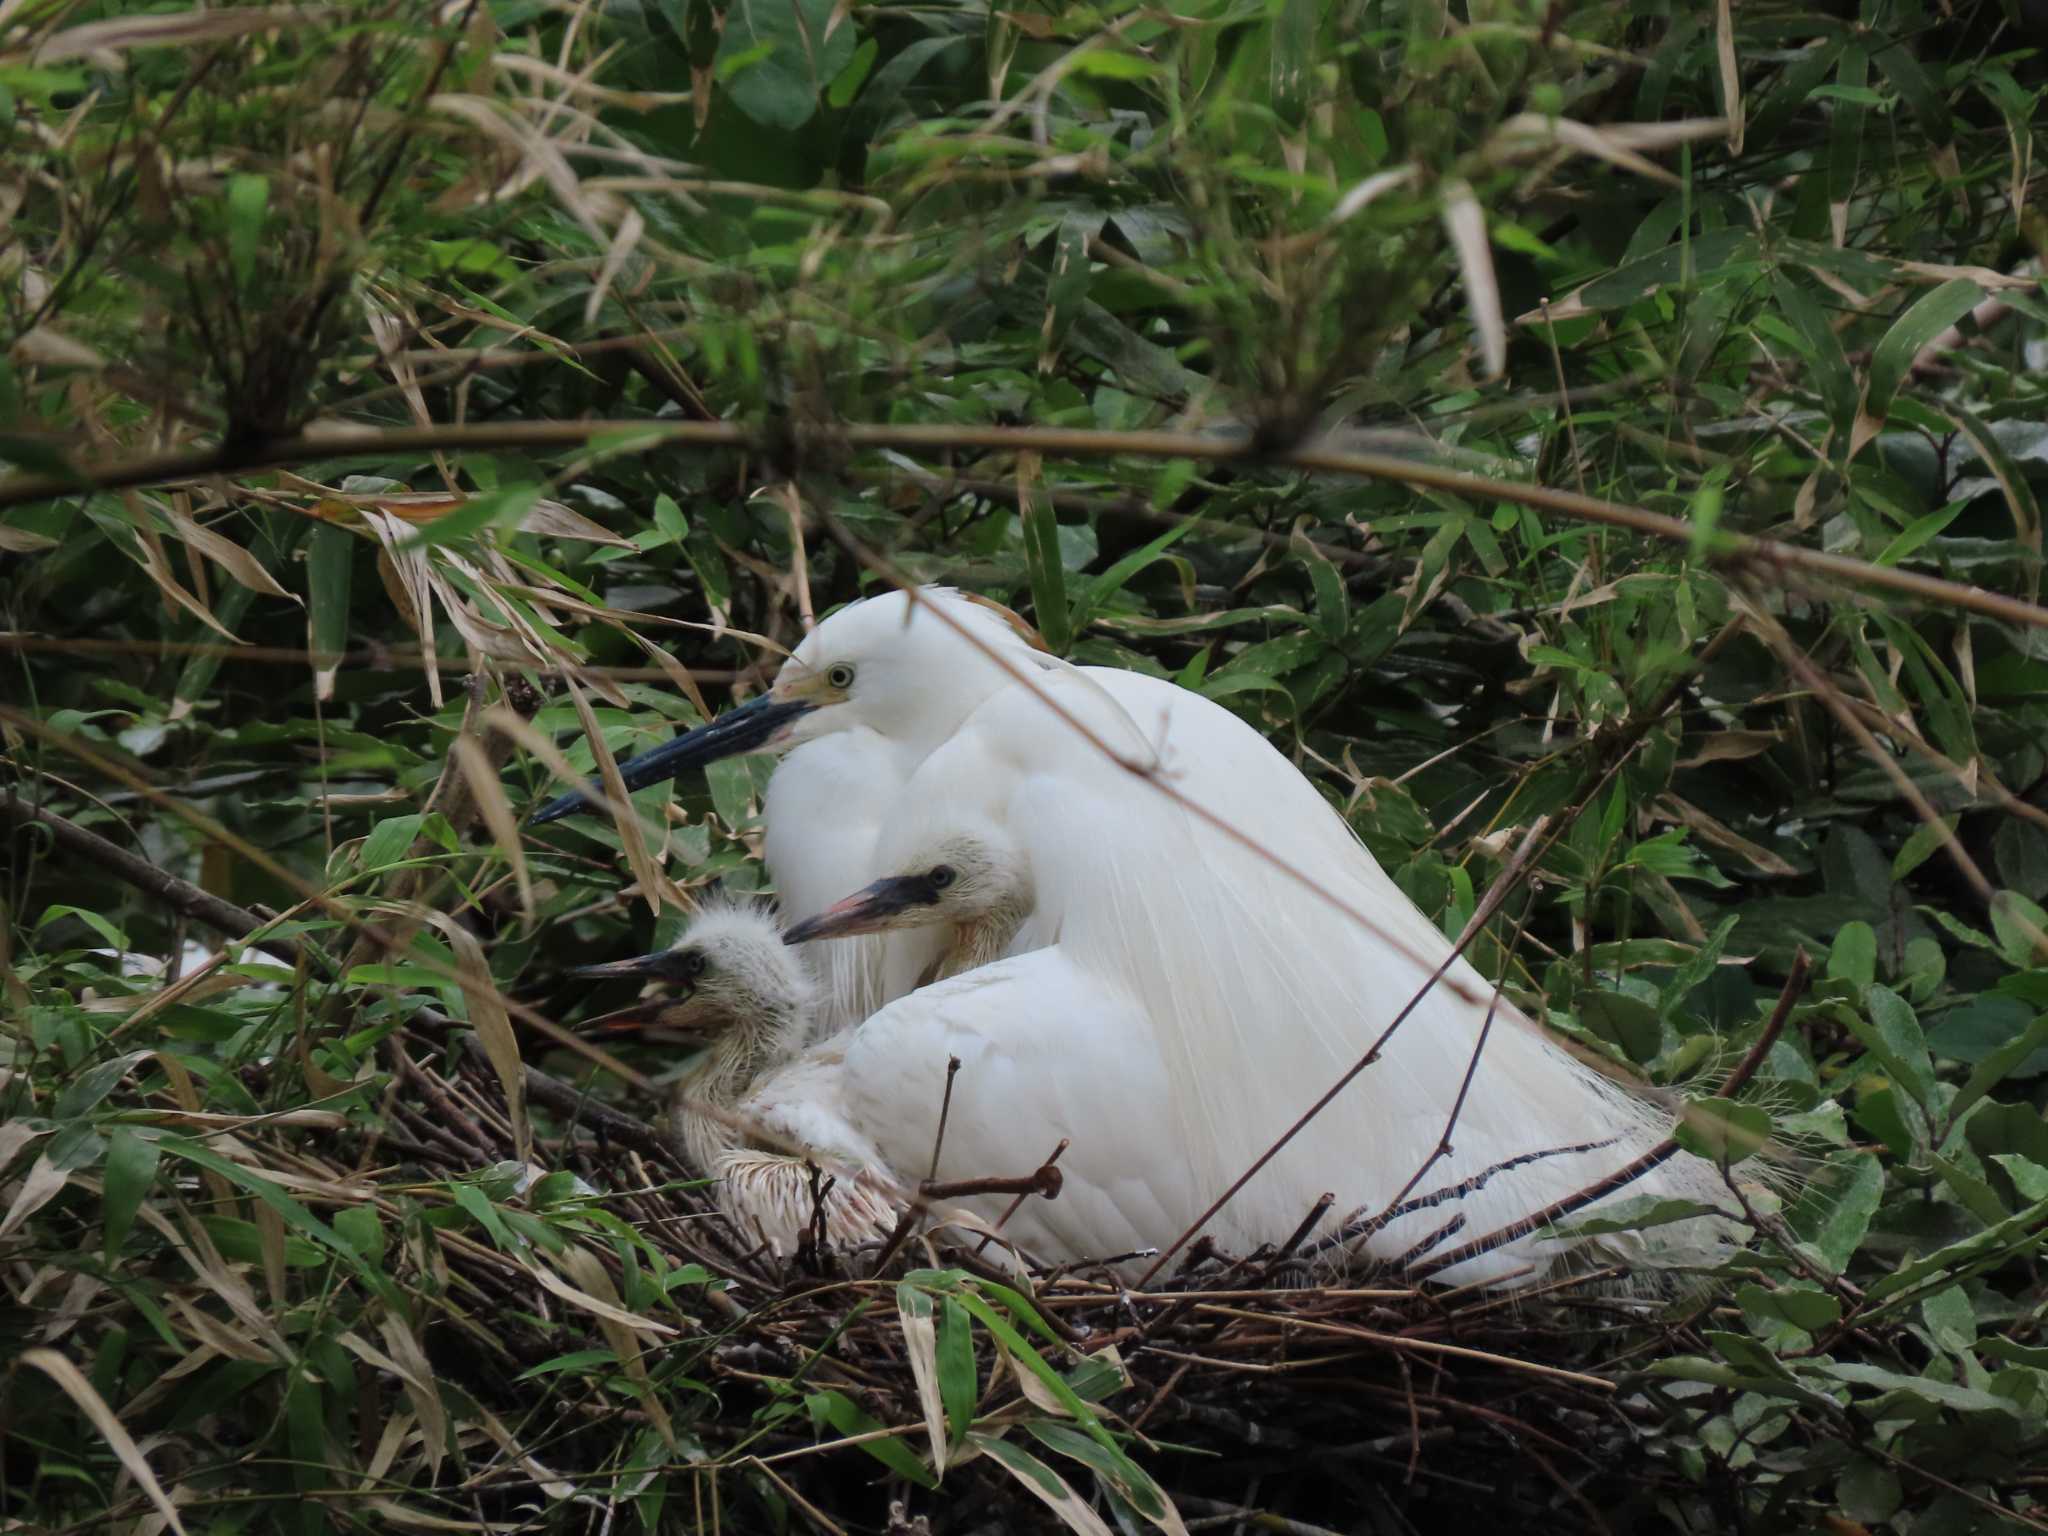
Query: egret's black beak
{"x": 662, "y": 965}
{"x": 677, "y": 1014}
{"x": 869, "y": 910}
{"x": 745, "y": 729}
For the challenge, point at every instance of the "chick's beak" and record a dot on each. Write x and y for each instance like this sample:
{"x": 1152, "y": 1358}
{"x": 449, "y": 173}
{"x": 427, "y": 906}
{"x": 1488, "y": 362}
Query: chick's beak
{"x": 891, "y": 902}
{"x": 751, "y": 727}
{"x": 674, "y": 1013}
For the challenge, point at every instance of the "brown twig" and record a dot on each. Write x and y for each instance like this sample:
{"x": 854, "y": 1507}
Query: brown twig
{"x": 1725, "y": 545}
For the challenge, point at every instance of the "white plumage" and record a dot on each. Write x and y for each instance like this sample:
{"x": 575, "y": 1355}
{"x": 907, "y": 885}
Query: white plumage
{"x": 731, "y": 982}
{"x": 1224, "y": 993}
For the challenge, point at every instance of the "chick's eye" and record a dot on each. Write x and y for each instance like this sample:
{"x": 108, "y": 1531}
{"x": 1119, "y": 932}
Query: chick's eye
{"x": 840, "y": 675}
{"x": 942, "y": 876}
{"x": 693, "y": 966}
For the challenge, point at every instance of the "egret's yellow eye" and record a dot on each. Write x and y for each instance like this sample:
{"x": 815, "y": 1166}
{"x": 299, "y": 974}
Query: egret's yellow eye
{"x": 840, "y": 675}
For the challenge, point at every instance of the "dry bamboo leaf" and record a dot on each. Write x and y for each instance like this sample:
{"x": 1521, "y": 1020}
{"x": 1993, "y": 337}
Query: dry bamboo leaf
{"x": 499, "y": 718}
{"x": 921, "y": 1345}
{"x": 1465, "y": 223}
{"x": 159, "y": 571}
{"x": 556, "y": 521}
{"x": 244, "y": 567}
{"x": 1042, "y": 1483}
{"x": 493, "y": 1026}
{"x": 170, "y": 31}
{"x": 1731, "y": 76}
{"x": 51, "y": 348}
{"x": 270, "y": 1240}
{"x": 45, "y": 1179}
{"x": 216, "y": 1335}
{"x": 624, "y": 817}
{"x": 1528, "y": 130}
{"x": 74, "y": 1385}
{"x": 19, "y": 541}
{"x": 588, "y": 1272}
{"x": 488, "y": 790}
{"x": 604, "y": 1311}
{"x": 1722, "y": 835}
{"x": 624, "y": 239}
{"x": 14, "y": 1135}
{"x": 409, "y": 571}
{"x": 407, "y": 1364}
{"x": 1731, "y": 746}
{"x": 413, "y": 1519}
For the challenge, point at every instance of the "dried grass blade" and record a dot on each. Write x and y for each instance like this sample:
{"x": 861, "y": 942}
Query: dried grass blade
{"x": 1465, "y": 223}
{"x": 1731, "y": 76}
{"x": 489, "y": 792}
{"x": 921, "y": 1344}
{"x": 620, "y": 803}
{"x": 168, "y": 31}
{"x": 493, "y": 1025}
{"x": 74, "y": 1385}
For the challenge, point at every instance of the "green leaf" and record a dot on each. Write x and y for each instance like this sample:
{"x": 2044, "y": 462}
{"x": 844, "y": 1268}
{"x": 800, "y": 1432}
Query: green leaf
{"x": 1998, "y": 1065}
{"x": 837, "y": 1410}
{"x": 1626, "y": 1021}
{"x": 248, "y": 199}
{"x": 1853, "y": 957}
{"x": 1042, "y": 1483}
{"x": 1333, "y": 604}
{"x": 777, "y": 57}
{"x": 959, "y": 1384}
{"x": 2021, "y": 927}
{"x": 489, "y": 510}
{"x": 1823, "y": 348}
{"x": 84, "y": 1092}
{"x": 1914, "y": 852}
{"x": 1722, "y": 1130}
{"x": 1805, "y": 1307}
{"x": 1892, "y": 1034}
{"x": 390, "y": 840}
{"x": 330, "y": 559}
{"x": 580, "y": 1360}
{"x": 1047, "y": 570}
{"x": 1869, "y": 1492}
{"x": 130, "y": 1170}
{"x": 847, "y": 83}
{"x": 1924, "y": 320}
{"x": 115, "y": 938}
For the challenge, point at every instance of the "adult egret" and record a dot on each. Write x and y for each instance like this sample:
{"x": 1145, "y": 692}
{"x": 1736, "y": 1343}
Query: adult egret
{"x": 1238, "y": 998}
{"x": 1262, "y": 960}
{"x": 733, "y": 984}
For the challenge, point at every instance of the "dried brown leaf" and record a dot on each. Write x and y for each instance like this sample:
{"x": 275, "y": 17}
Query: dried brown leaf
{"x": 1465, "y": 223}
{"x": 72, "y": 1382}
{"x": 488, "y": 790}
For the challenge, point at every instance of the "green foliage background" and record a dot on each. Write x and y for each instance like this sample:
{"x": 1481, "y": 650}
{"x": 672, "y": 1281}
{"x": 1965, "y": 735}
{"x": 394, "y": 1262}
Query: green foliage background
{"x": 610, "y": 280}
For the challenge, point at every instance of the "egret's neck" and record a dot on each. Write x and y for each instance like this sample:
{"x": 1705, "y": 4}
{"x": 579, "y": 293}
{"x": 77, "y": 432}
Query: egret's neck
{"x": 745, "y": 1050}
{"x": 985, "y": 939}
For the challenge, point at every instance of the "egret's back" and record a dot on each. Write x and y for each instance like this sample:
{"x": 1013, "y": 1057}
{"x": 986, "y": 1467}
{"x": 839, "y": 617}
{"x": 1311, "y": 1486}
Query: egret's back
{"x": 1262, "y": 993}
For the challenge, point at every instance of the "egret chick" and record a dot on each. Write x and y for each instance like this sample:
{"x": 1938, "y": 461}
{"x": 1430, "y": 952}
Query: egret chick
{"x": 734, "y": 985}
{"x": 1048, "y": 1052}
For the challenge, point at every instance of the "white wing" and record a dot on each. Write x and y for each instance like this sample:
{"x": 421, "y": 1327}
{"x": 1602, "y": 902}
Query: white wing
{"x": 1046, "y": 1053}
{"x": 1258, "y": 994}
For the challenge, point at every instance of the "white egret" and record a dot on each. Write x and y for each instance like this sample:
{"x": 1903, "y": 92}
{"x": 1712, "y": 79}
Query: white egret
{"x": 1259, "y": 966}
{"x": 731, "y": 983}
{"x": 1243, "y": 995}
